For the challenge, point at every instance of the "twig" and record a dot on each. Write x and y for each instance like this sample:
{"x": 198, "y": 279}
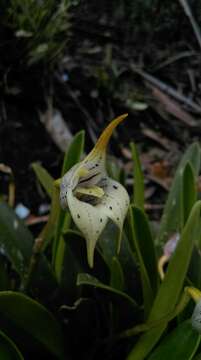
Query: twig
{"x": 174, "y": 58}
{"x": 167, "y": 144}
{"x": 32, "y": 220}
{"x": 189, "y": 14}
{"x": 154, "y": 206}
{"x": 173, "y": 107}
{"x": 11, "y": 193}
{"x": 166, "y": 88}
{"x": 90, "y": 122}
{"x": 56, "y": 126}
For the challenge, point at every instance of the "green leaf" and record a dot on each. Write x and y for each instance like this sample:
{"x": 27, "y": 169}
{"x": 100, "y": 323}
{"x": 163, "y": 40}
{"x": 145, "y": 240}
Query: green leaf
{"x": 8, "y": 350}
{"x": 86, "y": 279}
{"x": 108, "y": 249}
{"x": 117, "y": 276}
{"x": 71, "y": 157}
{"x": 171, "y": 287}
{"x": 169, "y": 223}
{"x": 17, "y": 242}
{"x": 15, "y": 239}
{"x": 120, "y": 307}
{"x": 74, "y": 152}
{"x": 107, "y": 242}
{"x": 178, "y": 266}
{"x": 144, "y": 248}
{"x": 144, "y": 327}
{"x": 61, "y": 249}
{"x": 180, "y": 344}
{"x": 74, "y": 262}
{"x": 189, "y": 193}
{"x": 113, "y": 169}
{"x": 34, "y": 319}
{"x": 49, "y": 229}
{"x": 194, "y": 271}
{"x": 138, "y": 184}
{"x": 44, "y": 177}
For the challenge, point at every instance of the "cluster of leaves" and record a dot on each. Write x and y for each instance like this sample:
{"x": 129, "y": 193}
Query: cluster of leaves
{"x": 38, "y": 28}
{"x": 52, "y": 303}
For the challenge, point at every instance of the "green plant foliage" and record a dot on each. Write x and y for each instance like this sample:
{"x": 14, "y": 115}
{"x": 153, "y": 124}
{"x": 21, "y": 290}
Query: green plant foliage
{"x": 44, "y": 177}
{"x": 115, "y": 171}
{"x": 144, "y": 248}
{"x": 180, "y": 344}
{"x": 170, "y": 289}
{"x": 86, "y": 279}
{"x": 41, "y": 26}
{"x": 8, "y": 350}
{"x": 171, "y": 223}
{"x": 74, "y": 152}
{"x": 12, "y": 231}
{"x": 138, "y": 185}
{"x": 117, "y": 276}
{"x": 36, "y": 316}
{"x": 52, "y": 304}
{"x": 189, "y": 193}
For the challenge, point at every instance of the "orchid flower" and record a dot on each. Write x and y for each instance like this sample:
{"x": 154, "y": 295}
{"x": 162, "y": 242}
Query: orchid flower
{"x": 91, "y": 196}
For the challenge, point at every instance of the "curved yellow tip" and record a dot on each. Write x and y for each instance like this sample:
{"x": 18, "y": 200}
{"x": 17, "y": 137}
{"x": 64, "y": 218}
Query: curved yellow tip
{"x": 161, "y": 263}
{"x": 194, "y": 293}
{"x": 106, "y": 134}
{"x": 57, "y": 183}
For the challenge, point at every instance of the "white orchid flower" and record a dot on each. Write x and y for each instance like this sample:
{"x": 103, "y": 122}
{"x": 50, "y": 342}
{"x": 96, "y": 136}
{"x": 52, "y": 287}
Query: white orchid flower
{"x": 91, "y": 196}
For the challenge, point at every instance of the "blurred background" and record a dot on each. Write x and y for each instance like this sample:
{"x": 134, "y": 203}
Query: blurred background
{"x": 68, "y": 65}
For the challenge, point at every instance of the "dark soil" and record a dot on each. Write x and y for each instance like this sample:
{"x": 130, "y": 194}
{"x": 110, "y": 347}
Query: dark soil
{"x": 102, "y": 47}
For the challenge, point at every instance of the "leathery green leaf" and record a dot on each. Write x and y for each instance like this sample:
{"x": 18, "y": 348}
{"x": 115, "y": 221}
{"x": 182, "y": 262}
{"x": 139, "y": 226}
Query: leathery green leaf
{"x": 138, "y": 184}
{"x": 180, "y": 344}
{"x": 194, "y": 271}
{"x": 169, "y": 223}
{"x": 86, "y": 279}
{"x": 115, "y": 171}
{"x": 17, "y": 242}
{"x": 146, "y": 244}
{"x": 171, "y": 287}
{"x": 33, "y": 318}
{"x": 74, "y": 152}
{"x": 117, "y": 276}
{"x": 44, "y": 177}
{"x": 107, "y": 245}
{"x": 189, "y": 193}
{"x": 8, "y": 350}
{"x": 143, "y": 327}
{"x": 75, "y": 263}
{"x": 72, "y": 156}
{"x": 144, "y": 248}
{"x": 61, "y": 250}
{"x": 48, "y": 230}
{"x": 15, "y": 239}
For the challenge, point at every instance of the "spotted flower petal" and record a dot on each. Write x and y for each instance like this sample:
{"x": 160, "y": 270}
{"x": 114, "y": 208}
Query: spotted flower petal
{"x": 91, "y": 196}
